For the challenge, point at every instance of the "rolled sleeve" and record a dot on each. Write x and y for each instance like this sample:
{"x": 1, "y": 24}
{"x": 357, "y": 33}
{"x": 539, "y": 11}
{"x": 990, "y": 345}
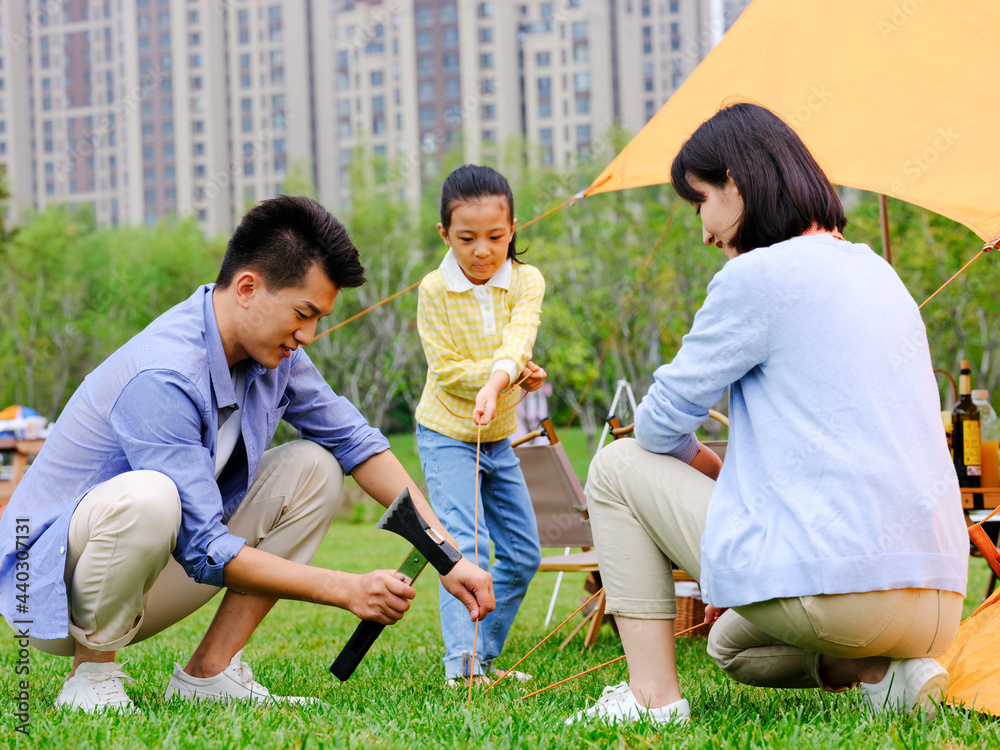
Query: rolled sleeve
{"x": 220, "y": 551}
{"x": 508, "y": 366}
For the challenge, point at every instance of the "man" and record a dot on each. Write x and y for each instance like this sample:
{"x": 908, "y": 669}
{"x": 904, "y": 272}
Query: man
{"x": 162, "y": 452}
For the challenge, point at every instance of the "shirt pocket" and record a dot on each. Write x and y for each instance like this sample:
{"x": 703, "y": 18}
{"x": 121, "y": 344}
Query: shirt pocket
{"x": 274, "y": 416}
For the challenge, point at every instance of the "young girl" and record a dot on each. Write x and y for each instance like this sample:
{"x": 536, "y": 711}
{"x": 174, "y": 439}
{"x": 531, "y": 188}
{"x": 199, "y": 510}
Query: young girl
{"x": 477, "y": 317}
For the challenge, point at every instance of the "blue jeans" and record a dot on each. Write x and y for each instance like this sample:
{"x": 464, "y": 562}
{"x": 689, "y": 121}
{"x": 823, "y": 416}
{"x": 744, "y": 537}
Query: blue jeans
{"x": 506, "y": 518}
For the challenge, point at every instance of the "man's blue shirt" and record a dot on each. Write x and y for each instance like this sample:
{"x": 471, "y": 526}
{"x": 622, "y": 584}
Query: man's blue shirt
{"x": 154, "y": 404}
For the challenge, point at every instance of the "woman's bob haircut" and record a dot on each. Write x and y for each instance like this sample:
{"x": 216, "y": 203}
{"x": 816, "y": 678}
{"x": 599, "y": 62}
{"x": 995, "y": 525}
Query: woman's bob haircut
{"x": 784, "y": 191}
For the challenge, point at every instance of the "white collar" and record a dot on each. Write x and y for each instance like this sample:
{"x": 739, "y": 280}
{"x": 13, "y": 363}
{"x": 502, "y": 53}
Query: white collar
{"x": 456, "y": 280}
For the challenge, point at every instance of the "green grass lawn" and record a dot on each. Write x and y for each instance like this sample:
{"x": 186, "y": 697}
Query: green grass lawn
{"x": 397, "y": 697}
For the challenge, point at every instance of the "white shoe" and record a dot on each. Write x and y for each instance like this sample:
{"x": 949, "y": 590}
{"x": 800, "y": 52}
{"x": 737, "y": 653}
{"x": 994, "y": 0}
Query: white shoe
{"x": 909, "y": 685}
{"x": 96, "y": 687}
{"x": 235, "y": 682}
{"x": 618, "y": 704}
{"x": 499, "y": 672}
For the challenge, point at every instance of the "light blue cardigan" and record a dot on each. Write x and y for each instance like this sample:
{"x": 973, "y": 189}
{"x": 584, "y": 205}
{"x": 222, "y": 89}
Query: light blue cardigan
{"x": 837, "y": 476}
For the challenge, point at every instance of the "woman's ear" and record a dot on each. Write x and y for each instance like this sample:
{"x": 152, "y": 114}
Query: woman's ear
{"x": 729, "y": 178}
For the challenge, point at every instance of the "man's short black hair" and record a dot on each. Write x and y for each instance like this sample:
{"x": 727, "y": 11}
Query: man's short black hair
{"x": 281, "y": 238}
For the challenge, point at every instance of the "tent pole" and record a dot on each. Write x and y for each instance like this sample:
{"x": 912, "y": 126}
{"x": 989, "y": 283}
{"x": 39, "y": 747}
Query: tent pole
{"x": 883, "y": 220}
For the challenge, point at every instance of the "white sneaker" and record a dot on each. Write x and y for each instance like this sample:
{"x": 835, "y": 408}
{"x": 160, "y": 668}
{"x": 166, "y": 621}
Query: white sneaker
{"x": 235, "y": 682}
{"x": 499, "y": 672}
{"x": 96, "y": 687}
{"x": 618, "y": 704}
{"x": 909, "y": 685}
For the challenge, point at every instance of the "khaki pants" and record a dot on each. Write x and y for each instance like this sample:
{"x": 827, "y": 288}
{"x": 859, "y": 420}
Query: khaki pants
{"x": 123, "y": 584}
{"x": 648, "y": 509}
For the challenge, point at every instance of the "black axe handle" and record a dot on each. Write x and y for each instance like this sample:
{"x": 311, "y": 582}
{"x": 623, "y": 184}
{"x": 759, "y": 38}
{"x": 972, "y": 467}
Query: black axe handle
{"x": 368, "y": 631}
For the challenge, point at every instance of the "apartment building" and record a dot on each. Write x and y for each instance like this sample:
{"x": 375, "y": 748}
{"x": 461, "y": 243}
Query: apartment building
{"x": 153, "y": 108}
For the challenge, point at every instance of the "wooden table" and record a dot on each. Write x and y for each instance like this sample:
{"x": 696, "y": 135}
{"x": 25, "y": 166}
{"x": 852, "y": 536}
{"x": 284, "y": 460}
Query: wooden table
{"x": 22, "y": 451}
{"x": 990, "y": 495}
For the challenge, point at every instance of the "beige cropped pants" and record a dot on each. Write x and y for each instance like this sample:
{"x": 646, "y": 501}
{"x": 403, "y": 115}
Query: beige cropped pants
{"x": 124, "y": 586}
{"x": 648, "y": 509}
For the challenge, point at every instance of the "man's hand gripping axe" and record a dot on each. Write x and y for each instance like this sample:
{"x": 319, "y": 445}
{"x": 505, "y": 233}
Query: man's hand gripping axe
{"x": 428, "y": 547}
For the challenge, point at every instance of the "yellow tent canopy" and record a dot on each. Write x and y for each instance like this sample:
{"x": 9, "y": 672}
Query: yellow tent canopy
{"x": 893, "y": 96}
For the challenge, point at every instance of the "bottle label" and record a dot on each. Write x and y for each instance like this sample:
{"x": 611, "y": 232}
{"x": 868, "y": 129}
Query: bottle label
{"x": 971, "y": 450}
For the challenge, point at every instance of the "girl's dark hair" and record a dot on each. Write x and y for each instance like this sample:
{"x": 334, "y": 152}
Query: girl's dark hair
{"x": 472, "y": 182}
{"x": 281, "y": 238}
{"x": 784, "y": 191}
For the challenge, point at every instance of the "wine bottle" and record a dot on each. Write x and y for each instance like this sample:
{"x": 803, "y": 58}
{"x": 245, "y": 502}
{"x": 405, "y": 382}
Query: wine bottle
{"x": 965, "y": 433}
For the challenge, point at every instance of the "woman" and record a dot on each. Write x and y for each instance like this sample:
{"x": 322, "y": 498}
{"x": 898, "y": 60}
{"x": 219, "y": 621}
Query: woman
{"x": 831, "y": 545}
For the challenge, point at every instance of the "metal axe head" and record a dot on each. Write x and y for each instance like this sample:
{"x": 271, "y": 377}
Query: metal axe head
{"x": 402, "y": 518}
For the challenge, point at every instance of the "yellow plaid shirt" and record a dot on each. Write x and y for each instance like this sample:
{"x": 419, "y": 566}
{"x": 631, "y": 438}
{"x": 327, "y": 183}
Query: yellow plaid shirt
{"x": 468, "y": 332}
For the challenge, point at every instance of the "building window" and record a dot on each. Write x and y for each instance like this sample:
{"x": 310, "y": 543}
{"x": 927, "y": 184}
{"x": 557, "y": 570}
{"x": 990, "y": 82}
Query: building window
{"x": 377, "y": 77}
{"x": 449, "y": 12}
{"x": 579, "y": 31}
{"x": 581, "y": 81}
{"x": 427, "y": 117}
{"x": 545, "y": 109}
{"x": 583, "y": 104}
{"x": 452, "y": 89}
{"x": 486, "y": 60}
{"x": 544, "y": 86}
{"x": 450, "y": 63}
{"x": 485, "y": 10}
{"x": 542, "y": 59}
{"x": 487, "y": 85}
{"x": 545, "y": 138}
{"x": 489, "y": 111}
{"x": 424, "y": 16}
{"x": 425, "y": 91}
{"x": 486, "y": 34}
{"x": 449, "y": 37}
{"x": 675, "y": 37}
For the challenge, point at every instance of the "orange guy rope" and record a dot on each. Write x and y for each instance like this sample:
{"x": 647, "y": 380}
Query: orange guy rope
{"x": 621, "y": 318}
{"x": 542, "y": 641}
{"x": 592, "y": 669}
{"x": 366, "y": 311}
{"x": 475, "y": 634}
{"x": 986, "y": 249}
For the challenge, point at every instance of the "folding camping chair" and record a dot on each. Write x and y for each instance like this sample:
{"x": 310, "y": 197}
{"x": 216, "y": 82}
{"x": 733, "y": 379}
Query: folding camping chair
{"x": 561, "y": 513}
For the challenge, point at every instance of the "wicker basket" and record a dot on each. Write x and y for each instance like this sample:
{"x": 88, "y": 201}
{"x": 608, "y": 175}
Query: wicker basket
{"x": 690, "y": 612}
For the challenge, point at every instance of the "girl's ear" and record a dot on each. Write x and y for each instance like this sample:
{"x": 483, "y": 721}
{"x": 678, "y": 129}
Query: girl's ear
{"x": 444, "y": 234}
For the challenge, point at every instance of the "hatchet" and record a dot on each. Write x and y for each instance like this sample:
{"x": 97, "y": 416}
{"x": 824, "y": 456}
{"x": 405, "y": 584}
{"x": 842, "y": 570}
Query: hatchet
{"x": 428, "y": 547}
